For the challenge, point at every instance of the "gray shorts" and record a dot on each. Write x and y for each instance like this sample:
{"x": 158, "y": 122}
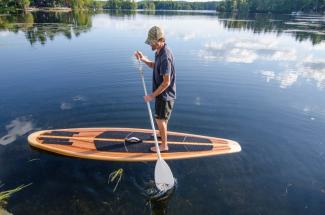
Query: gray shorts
{"x": 163, "y": 109}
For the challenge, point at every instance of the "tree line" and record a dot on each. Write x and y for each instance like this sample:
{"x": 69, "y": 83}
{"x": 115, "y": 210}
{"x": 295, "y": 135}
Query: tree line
{"x": 274, "y": 6}
{"x": 159, "y": 5}
{"x": 121, "y": 5}
{"x": 110, "y": 4}
{"x": 177, "y": 5}
{"x": 11, "y": 5}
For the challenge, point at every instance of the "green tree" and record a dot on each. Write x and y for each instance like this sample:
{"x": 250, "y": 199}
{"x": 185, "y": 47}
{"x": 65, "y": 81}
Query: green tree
{"x": 276, "y": 6}
{"x": 25, "y": 4}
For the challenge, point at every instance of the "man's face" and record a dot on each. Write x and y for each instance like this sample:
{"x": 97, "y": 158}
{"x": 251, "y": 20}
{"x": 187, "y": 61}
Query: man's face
{"x": 154, "y": 46}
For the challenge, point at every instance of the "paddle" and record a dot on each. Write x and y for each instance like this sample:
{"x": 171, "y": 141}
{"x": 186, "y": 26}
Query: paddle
{"x": 164, "y": 178}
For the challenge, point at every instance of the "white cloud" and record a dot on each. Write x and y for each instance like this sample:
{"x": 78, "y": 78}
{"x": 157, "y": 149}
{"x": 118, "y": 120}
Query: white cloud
{"x": 299, "y": 60}
{"x": 17, "y": 127}
{"x": 4, "y": 33}
{"x": 265, "y": 43}
{"x": 247, "y": 50}
{"x": 320, "y": 46}
{"x": 66, "y": 106}
{"x": 79, "y": 98}
{"x": 309, "y": 68}
{"x": 313, "y": 68}
{"x": 284, "y": 55}
{"x": 75, "y": 100}
{"x": 197, "y": 101}
{"x": 241, "y": 56}
{"x": 269, "y": 75}
{"x": 285, "y": 79}
{"x": 313, "y": 110}
{"x": 189, "y": 36}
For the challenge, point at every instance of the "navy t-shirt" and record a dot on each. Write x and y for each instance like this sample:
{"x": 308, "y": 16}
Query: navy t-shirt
{"x": 164, "y": 64}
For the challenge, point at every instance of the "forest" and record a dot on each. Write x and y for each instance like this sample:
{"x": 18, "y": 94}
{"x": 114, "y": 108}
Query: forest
{"x": 260, "y": 6}
{"x": 273, "y": 6}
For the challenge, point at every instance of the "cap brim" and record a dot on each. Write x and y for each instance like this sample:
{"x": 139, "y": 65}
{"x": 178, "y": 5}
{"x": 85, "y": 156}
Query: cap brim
{"x": 147, "y": 41}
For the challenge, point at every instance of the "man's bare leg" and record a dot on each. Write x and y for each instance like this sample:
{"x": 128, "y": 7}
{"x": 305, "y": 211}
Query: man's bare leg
{"x": 162, "y": 126}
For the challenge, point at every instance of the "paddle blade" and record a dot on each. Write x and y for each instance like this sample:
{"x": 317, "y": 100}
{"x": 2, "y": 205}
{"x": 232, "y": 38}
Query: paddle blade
{"x": 164, "y": 178}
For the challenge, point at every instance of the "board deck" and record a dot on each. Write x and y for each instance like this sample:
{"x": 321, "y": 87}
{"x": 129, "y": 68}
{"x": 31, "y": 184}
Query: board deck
{"x": 109, "y": 144}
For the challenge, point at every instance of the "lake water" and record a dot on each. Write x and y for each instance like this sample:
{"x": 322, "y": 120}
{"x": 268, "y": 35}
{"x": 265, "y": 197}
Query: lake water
{"x": 258, "y": 79}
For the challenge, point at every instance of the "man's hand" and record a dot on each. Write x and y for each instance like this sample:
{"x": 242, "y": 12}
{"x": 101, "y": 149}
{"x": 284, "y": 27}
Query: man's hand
{"x": 144, "y": 59}
{"x": 148, "y": 98}
{"x": 139, "y": 55}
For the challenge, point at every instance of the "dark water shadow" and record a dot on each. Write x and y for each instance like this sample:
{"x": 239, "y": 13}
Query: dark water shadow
{"x": 157, "y": 201}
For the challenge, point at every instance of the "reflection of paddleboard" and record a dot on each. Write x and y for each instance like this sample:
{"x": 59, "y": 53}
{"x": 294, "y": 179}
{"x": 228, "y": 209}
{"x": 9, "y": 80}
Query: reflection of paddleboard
{"x": 111, "y": 144}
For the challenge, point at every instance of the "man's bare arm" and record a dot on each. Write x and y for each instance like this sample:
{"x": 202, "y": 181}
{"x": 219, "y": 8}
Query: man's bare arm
{"x": 163, "y": 86}
{"x": 144, "y": 59}
{"x": 149, "y": 63}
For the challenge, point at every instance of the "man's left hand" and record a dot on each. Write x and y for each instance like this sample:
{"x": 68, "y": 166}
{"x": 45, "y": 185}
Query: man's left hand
{"x": 148, "y": 98}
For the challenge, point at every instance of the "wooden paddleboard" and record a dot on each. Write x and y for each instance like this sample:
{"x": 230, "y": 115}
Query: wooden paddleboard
{"x": 109, "y": 144}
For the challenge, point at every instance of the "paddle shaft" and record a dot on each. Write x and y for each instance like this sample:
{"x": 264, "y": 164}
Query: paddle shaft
{"x": 149, "y": 111}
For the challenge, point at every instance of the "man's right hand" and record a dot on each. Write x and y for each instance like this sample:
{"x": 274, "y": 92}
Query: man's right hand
{"x": 144, "y": 59}
{"x": 139, "y": 55}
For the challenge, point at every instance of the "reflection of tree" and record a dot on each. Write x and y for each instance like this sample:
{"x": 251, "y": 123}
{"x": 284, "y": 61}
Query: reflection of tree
{"x": 302, "y": 28}
{"x": 41, "y": 26}
{"x": 14, "y": 23}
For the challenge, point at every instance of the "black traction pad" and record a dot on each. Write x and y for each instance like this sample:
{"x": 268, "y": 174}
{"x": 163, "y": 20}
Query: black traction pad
{"x": 112, "y": 146}
{"x": 149, "y": 136}
{"x": 61, "y": 133}
{"x": 61, "y": 141}
{"x": 145, "y": 147}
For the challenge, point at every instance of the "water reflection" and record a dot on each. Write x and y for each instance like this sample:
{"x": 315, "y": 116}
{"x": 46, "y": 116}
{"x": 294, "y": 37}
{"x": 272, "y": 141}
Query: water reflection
{"x": 291, "y": 61}
{"x": 17, "y": 127}
{"x": 41, "y": 26}
{"x": 73, "y": 102}
{"x": 309, "y": 68}
{"x": 248, "y": 50}
{"x": 157, "y": 200}
{"x": 302, "y": 27}
{"x": 159, "y": 203}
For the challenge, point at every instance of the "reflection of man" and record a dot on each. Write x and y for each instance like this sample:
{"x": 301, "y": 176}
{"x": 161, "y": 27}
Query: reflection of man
{"x": 164, "y": 81}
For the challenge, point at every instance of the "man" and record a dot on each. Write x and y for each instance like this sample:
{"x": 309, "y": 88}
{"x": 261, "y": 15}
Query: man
{"x": 163, "y": 81}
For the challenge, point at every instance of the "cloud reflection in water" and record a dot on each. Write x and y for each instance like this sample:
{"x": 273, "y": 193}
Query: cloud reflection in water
{"x": 291, "y": 61}
{"x": 17, "y": 127}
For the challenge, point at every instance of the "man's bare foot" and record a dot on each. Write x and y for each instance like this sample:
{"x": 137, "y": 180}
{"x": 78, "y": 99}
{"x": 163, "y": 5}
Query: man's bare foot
{"x": 161, "y": 148}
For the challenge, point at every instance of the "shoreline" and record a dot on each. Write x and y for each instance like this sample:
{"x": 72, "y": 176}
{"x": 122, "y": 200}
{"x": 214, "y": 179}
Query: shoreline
{"x": 49, "y": 9}
{"x": 68, "y": 9}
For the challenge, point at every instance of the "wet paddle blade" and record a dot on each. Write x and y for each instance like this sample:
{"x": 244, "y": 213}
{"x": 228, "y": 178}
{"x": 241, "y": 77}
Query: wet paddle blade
{"x": 164, "y": 178}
